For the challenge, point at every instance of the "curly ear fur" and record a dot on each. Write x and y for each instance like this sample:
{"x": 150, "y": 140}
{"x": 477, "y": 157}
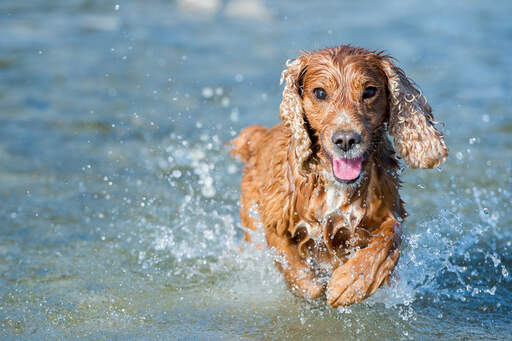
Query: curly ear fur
{"x": 411, "y": 122}
{"x": 292, "y": 112}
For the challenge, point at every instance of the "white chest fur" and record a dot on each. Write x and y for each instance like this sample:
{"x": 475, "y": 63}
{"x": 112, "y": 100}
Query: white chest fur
{"x": 337, "y": 198}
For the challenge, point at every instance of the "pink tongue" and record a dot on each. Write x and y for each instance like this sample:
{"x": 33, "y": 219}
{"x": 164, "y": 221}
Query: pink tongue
{"x": 347, "y": 169}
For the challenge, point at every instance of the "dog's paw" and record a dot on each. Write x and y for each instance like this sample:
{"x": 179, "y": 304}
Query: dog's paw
{"x": 361, "y": 275}
{"x": 306, "y": 285}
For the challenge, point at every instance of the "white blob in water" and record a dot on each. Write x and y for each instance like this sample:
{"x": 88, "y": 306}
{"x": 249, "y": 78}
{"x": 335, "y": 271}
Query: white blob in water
{"x": 207, "y": 92}
{"x": 176, "y": 173}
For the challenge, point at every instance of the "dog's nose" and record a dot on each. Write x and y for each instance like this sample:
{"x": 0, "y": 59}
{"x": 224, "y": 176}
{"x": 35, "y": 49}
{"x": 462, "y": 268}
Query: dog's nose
{"x": 346, "y": 140}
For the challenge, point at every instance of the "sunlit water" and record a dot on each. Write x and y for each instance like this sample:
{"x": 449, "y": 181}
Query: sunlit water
{"x": 119, "y": 215}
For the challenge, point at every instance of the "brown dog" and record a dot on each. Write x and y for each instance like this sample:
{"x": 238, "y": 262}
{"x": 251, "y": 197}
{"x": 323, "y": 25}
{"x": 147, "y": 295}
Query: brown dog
{"x": 324, "y": 183}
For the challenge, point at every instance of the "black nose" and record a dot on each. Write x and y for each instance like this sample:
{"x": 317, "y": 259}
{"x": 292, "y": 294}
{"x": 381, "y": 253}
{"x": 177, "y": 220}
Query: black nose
{"x": 346, "y": 140}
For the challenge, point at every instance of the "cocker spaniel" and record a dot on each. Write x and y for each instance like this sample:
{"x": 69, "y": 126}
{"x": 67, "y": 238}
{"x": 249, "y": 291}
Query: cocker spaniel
{"x": 324, "y": 183}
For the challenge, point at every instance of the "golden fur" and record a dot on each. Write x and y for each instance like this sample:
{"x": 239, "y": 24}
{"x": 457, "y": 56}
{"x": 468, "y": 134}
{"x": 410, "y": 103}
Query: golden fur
{"x": 334, "y": 236}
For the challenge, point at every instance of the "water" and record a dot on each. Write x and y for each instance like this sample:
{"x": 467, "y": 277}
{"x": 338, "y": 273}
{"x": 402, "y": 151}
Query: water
{"x": 120, "y": 203}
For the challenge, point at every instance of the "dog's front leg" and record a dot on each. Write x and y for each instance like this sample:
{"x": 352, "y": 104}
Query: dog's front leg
{"x": 299, "y": 276}
{"x": 363, "y": 274}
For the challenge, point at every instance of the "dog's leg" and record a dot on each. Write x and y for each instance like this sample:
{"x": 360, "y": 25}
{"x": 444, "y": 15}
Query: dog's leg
{"x": 298, "y": 275}
{"x": 363, "y": 274}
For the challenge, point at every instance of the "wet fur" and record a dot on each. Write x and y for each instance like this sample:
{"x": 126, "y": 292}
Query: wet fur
{"x": 335, "y": 238}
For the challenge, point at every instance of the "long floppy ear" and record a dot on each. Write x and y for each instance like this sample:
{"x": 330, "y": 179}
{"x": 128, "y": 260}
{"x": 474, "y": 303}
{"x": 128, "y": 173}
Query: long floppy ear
{"x": 411, "y": 122}
{"x": 292, "y": 112}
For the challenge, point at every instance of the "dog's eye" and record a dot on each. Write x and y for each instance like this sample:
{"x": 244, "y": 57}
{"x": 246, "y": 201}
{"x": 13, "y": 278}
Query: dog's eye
{"x": 369, "y": 92}
{"x": 320, "y": 93}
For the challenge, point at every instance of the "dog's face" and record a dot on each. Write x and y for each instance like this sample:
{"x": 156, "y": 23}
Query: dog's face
{"x": 336, "y": 102}
{"x": 345, "y": 102}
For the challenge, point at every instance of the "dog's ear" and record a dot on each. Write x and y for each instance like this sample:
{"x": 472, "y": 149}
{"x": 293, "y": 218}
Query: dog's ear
{"x": 411, "y": 122}
{"x": 292, "y": 111}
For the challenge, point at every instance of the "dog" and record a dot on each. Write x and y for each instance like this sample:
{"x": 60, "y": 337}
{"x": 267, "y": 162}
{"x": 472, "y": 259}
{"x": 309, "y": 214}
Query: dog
{"x": 324, "y": 183}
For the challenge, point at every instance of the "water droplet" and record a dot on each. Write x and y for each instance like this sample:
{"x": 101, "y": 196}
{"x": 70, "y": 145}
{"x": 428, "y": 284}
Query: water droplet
{"x": 225, "y": 102}
{"x": 176, "y": 173}
{"x": 208, "y": 191}
{"x": 232, "y": 169}
{"x": 207, "y": 92}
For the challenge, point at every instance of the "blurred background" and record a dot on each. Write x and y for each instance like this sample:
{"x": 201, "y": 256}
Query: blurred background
{"x": 119, "y": 214}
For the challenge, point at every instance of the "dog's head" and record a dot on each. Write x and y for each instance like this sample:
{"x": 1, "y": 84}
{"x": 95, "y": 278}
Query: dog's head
{"x": 339, "y": 99}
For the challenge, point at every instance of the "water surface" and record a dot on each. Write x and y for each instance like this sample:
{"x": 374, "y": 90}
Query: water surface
{"x": 119, "y": 215}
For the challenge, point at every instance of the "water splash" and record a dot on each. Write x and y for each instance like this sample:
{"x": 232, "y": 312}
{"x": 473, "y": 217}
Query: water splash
{"x": 445, "y": 258}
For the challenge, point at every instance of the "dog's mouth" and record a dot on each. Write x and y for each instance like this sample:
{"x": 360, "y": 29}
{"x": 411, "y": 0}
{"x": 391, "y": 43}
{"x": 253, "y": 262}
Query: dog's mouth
{"x": 347, "y": 170}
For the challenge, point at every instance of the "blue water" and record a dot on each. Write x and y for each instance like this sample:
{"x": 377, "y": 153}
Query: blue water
{"x": 119, "y": 215}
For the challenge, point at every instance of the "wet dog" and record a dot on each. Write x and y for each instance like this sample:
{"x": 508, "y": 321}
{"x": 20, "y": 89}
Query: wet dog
{"x": 324, "y": 183}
